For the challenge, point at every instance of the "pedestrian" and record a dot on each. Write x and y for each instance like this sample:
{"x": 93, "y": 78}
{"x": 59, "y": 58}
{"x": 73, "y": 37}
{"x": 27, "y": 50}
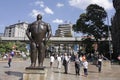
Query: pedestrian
{"x": 59, "y": 61}
{"x": 118, "y": 59}
{"x": 77, "y": 65}
{"x": 51, "y": 60}
{"x": 85, "y": 68}
{"x": 99, "y": 64}
{"x": 65, "y": 63}
{"x": 81, "y": 62}
{"x": 85, "y": 65}
{"x": 9, "y": 60}
{"x": 83, "y": 57}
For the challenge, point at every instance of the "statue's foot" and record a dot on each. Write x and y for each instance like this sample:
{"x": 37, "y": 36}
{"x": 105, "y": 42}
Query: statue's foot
{"x": 40, "y": 65}
{"x": 32, "y": 65}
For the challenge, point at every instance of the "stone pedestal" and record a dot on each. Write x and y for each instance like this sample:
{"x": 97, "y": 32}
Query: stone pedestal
{"x": 106, "y": 66}
{"x": 35, "y": 74}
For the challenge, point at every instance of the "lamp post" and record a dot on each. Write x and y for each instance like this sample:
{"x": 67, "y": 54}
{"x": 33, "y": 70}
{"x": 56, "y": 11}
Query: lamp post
{"x": 109, "y": 38}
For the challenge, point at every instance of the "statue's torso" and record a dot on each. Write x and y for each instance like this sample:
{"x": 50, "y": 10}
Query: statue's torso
{"x": 38, "y": 30}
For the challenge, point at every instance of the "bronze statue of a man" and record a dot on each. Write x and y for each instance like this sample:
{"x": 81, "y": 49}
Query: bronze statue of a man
{"x": 116, "y": 4}
{"x": 115, "y": 29}
{"x": 38, "y": 33}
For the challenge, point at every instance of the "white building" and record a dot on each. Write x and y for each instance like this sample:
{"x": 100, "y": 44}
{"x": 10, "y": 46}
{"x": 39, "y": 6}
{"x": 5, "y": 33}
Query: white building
{"x": 1, "y": 34}
{"x": 64, "y": 30}
{"x": 16, "y": 30}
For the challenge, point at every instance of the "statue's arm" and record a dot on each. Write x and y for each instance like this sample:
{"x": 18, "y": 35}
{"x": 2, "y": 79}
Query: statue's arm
{"x": 49, "y": 32}
{"x": 28, "y": 31}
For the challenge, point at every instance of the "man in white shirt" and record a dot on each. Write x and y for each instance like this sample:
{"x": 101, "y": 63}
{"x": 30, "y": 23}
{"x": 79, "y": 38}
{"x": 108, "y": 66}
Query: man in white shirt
{"x": 59, "y": 61}
{"x": 51, "y": 60}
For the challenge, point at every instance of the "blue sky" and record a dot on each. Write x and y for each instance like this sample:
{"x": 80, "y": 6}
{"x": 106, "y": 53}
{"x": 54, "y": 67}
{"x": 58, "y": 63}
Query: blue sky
{"x": 54, "y": 12}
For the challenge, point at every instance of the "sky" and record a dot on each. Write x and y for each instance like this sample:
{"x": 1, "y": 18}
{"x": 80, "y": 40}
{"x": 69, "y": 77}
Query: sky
{"x": 54, "y": 12}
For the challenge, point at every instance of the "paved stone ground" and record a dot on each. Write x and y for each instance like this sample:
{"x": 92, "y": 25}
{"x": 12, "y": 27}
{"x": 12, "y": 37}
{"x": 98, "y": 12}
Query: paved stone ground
{"x": 15, "y": 72}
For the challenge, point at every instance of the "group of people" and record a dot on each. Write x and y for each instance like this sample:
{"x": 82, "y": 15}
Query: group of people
{"x": 65, "y": 59}
{"x": 80, "y": 61}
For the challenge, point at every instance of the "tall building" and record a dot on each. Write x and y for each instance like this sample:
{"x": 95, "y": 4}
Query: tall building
{"x": 64, "y": 30}
{"x": 1, "y": 34}
{"x": 16, "y": 30}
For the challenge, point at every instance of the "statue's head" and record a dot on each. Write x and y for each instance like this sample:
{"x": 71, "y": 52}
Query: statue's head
{"x": 116, "y": 4}
{"x": 39, "y": 17}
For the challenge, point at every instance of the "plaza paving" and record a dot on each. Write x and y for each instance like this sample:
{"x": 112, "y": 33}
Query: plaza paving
{"x": 15, "y": 72}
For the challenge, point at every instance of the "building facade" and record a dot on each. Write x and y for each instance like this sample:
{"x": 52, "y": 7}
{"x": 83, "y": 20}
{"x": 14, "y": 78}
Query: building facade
{"x": 1, "y": 34}
{"x": 64, "y": 30}
{"x": 16, "y": 30}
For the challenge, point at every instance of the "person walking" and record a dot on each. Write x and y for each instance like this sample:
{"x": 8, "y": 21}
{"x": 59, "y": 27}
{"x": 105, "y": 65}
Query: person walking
{"x": 9, "y": 60}
{"x": 77, "y": 65}
{"x": 85, "y": 65}
{"x": 99, "y": 63}
{"x": 65, "y": 63}
{"x": 59, "y": 61}
{"x": 51, "y": 60}
{"x": 85, "y": 68}
{"x": 83, "y": 57}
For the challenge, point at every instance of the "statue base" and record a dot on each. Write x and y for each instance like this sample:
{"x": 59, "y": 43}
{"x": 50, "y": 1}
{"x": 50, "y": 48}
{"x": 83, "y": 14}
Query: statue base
{"x": 106, "y": 66}
{"x": 35, "y": 73}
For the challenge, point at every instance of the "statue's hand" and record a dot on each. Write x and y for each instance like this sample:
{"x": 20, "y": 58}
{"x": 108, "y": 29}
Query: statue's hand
{"x": 44, "y": 41}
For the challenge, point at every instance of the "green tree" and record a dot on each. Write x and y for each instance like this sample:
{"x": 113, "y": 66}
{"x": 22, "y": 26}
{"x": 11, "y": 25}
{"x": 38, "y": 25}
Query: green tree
{"x": 88, "y": 42}
{"x": 104, "y": 48}
{"x": 2, "y": 48}
{"x": 8, "y": 46}
{"x": 92, "y": 23}
{"x": 21, "y": 46}
{"x": 5, "y": 47}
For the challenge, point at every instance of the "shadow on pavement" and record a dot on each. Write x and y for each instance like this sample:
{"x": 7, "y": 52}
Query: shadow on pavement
{"x": 92, "y": 72}
{"x": 18, "y": 74}
{"x": 63, "y": 72}
{"x": 6, "y": 67}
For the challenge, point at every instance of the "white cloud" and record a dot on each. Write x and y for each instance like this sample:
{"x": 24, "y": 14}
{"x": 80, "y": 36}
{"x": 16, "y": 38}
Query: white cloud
{"x": 35, "y": 12}
{"x": 82, "y": 4}
{"x": 59, "y": 21}
{"x": 44, "y": 8}
{"x": 48, "y": 10}
{"x": 40, "y": 3}
{"x": 60, "y": 5}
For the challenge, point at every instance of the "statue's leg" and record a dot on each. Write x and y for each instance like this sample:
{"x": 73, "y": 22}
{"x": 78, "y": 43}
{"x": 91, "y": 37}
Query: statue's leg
{"x": 41, "y": 54}
{"x": 33, "y": 54}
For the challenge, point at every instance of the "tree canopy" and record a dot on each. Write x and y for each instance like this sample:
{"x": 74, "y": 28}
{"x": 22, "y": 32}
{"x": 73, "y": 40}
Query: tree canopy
{"x": 8, "y": 46}
{"x": 92, "y": 22}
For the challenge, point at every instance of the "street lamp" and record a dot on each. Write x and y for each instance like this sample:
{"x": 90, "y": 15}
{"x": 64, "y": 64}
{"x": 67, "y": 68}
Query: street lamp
{"x": 109, "y": 38}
